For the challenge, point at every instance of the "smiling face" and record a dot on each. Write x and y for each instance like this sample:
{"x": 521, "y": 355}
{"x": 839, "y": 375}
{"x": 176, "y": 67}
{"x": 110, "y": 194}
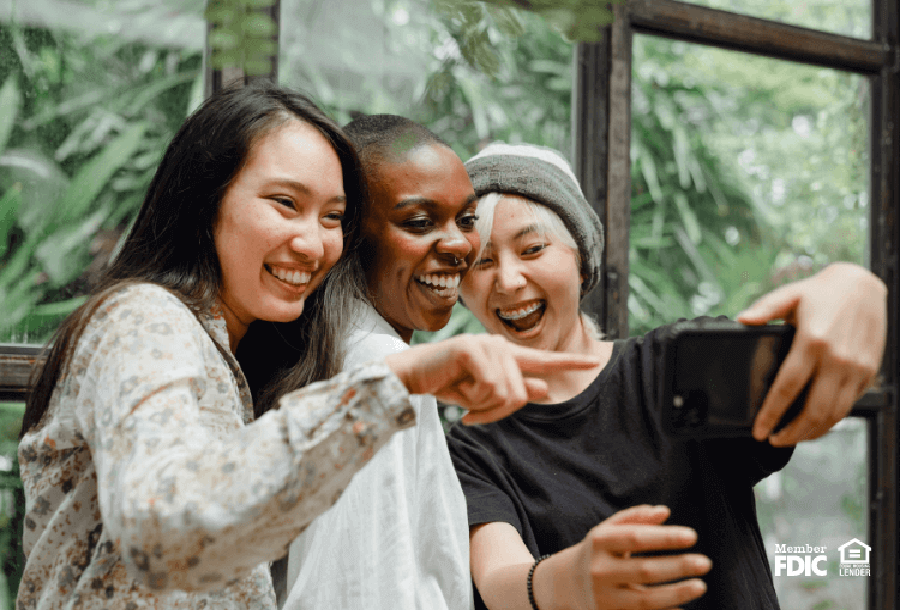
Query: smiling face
{"x": 526, "y": 285}
{"x": 420, "y": 237}
{"x": 278, "y": 229}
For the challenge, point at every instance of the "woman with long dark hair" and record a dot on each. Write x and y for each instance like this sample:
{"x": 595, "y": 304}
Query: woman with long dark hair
{"x": 147, "y": 478}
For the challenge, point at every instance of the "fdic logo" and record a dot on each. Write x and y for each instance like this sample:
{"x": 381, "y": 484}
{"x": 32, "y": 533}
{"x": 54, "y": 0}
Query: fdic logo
{"x": 799, "y": 560}
{"x": 811, "y": 561}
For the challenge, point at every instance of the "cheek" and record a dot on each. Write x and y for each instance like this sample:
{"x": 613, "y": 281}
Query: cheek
{"x": 399, "y": 256}
{"x": 474, "y": 291}
{"x": 333, "y": 244}
{"x": 475, "y": 243}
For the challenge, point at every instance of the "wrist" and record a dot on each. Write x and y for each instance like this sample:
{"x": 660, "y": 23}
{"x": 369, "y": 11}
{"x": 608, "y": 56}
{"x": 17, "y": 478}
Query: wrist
{"x": 530, "y": 583}
{"x": 553, "y": 585}
{"x": 399, "y": 365}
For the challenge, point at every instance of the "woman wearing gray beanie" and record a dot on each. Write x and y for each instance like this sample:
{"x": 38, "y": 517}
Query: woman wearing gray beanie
{"x": 567, "y": 498}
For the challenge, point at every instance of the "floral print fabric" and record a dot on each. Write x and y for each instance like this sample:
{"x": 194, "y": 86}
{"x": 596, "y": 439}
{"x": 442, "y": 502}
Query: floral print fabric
{"x": 145, "y": 487}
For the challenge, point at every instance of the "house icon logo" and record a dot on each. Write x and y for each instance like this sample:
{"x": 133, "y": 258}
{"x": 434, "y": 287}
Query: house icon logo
{"x": 854, "y": 552}
{"x": 854, "y": 558}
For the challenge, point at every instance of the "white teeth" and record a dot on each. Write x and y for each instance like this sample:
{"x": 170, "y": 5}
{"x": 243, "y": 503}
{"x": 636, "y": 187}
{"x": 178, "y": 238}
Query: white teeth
{"x": 439, "y": 281}
{"x": 518, "y": 314}
{"x": 297, "y": 278}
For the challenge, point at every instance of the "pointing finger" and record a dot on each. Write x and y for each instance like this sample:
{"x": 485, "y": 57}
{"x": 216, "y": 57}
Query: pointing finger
{"x": 535, "y": 361}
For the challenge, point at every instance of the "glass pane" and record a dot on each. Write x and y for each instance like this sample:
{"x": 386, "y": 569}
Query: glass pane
{"x": 747, "y": 172}
{"x": 91, "y": 92}
{"x": 820, "y": 499}
{"x": 847, "y": 17}
{"x": 471, "y": 72}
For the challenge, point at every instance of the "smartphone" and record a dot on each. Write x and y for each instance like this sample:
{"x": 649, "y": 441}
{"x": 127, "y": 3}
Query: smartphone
{"x": 716, "y": 374}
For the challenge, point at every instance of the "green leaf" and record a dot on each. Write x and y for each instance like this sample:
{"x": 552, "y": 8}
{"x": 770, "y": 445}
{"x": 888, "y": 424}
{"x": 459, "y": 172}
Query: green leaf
{"x": 60, "y": 308}
{"x": 648, "y": 168}
{"x": 93, "y": 176}
{"x": 11, "y": 273}
{"x": 150, "y": 92}
{"x": 9, "y": 108}
{"x": 63, "y": 253}
{"x": 69, "y": 106}
{"x": 688, "y": 217}
{"x": 9, "y": 208}
{"x": 16, "y": 303}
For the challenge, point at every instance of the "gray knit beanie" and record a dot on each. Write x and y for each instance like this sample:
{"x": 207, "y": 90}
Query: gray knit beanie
{"x": 542, "y": 175}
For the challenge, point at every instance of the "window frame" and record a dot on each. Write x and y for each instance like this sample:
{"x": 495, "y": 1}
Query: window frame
{"x": 601, "y": 127}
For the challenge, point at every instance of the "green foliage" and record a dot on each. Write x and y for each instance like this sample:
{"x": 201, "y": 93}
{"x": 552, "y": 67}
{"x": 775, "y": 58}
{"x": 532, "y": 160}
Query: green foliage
{"x": 511, "y": 81}
{"x": 684, "y": 202}
{"x": 11, "y": 513}
{"x": 771, "y": 157}
{"x": 83, "y": 124}
{"x": 243, "y": 35}
{"x": 580, "y": 20}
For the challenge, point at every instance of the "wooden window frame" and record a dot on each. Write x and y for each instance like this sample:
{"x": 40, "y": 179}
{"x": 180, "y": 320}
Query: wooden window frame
{"x": 601, "y": 121}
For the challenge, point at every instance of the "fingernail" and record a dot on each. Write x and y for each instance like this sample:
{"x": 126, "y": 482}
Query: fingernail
{"x": 688, "y": 532}
{"x": 779, "y": 440}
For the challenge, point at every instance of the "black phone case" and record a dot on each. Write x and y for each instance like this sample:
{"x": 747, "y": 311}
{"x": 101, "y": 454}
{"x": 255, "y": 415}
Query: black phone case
{"x": 725, "y": 372}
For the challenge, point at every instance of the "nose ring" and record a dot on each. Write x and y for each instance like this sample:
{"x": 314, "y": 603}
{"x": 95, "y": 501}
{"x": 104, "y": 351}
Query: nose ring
{"x": 456, "y": 261}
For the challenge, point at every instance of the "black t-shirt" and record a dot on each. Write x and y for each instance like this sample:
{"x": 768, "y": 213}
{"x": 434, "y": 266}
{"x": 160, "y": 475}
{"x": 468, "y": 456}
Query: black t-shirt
{"x": 556, "y": 471}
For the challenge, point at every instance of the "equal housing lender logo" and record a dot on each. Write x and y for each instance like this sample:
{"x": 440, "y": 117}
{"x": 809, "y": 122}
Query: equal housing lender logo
{"x": 808, "y": 560}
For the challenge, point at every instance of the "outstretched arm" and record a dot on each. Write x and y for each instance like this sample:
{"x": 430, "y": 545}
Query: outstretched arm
{"x": 595, "y": 574}
{"x": 485, "y": 374}
{"x": 841, "y": 319}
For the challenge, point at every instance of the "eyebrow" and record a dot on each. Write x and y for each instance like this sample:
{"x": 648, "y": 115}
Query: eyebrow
{"x": 528, "y": 230}
{"x": 532, "y": 228}
{"x": 425, "y": 201}
{"x": 300, "y": 187}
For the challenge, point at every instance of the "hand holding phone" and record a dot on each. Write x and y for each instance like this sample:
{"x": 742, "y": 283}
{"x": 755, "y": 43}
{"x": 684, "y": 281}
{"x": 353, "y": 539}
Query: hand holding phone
{"x": 841, "y": 319}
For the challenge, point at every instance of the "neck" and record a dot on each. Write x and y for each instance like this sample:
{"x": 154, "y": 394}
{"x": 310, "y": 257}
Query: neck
{"x": 236, "y": 328}
{"x": 567, "y": 384}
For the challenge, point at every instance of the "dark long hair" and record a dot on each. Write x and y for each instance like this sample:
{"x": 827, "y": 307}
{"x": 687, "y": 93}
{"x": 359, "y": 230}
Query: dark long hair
{"x": 171, "y": 241}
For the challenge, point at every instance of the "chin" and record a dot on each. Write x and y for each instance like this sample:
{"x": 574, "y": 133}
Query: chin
{"x": 283, "y": 314}
{"x": 432, "y": 325}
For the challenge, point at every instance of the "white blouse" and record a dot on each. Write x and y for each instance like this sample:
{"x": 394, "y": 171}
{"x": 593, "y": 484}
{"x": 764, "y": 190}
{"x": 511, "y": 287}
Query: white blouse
{"x": 398, "y": 538}
{"x": 146, "y": 488}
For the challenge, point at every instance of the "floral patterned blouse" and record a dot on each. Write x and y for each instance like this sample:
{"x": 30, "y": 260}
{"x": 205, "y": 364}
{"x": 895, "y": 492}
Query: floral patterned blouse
{"x": 148, "y": 487}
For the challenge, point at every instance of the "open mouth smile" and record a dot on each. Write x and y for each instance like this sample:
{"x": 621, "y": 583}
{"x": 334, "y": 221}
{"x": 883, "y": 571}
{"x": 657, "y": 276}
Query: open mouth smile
{"x": 522, "y": 318}
{"x": 296, "y": 279}
{"x": 443, "y": 284}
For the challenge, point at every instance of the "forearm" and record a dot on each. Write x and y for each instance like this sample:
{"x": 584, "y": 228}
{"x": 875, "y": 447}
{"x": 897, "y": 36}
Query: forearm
{"x": 208, "y": 509}
{"x": 506, "y": 587}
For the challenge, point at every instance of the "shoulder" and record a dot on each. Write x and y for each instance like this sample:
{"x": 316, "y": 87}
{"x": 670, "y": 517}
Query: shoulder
{"x": 371, "y": 338}
{"x": 142, "y": 320}
{"x": 131, "y": 303}
{"x": 476, "y": 444}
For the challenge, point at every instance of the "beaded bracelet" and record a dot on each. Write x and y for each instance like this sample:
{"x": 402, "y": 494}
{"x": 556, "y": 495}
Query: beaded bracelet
{"x": 531, "y": 581}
